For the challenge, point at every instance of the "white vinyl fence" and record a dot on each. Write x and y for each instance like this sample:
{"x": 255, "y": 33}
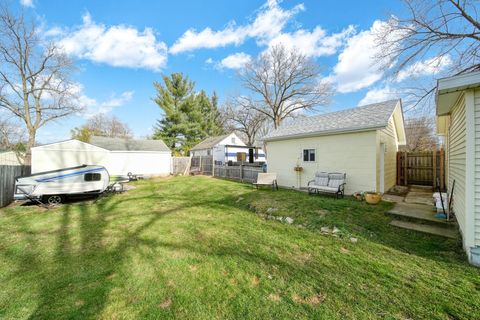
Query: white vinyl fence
{"x": 7, "y": 181}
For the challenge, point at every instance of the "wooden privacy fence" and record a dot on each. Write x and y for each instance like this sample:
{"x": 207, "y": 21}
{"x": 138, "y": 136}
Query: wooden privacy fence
{"x": 202, "y": 165}
{"x": 7, "y": 181}
{"x": 241, "y": 173}
{"x": 180, "y": 165}
{"x": 421, "y": 168}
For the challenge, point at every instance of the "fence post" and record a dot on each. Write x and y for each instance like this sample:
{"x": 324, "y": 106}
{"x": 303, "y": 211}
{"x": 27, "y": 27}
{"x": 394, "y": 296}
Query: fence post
{"x": 442, "y": 169}
{"x": 398, "y": 168}
{"x": 434, "y": 158}
{"x": 405, "y": 170}
{"x": 241, "y": 172}
{"x": 213, "y": 167}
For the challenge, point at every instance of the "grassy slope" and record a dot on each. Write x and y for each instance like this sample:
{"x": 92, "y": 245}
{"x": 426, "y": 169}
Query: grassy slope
{"x": 193, "y": 248}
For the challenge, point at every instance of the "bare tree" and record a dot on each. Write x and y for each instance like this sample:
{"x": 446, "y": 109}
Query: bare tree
{"x": 10, "y": 135}
{"x": 101, "y": 125}
{"x": 433, "y": 32}
{"x": 35, "y": 85}
{"x": 284, "y": 82}
{"x": 420, "y": 134}
{"x": 245, "y": 119}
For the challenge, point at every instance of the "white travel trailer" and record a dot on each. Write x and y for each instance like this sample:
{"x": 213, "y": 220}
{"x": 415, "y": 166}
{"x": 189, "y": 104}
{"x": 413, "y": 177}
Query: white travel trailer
{"x": 54, "y": 186}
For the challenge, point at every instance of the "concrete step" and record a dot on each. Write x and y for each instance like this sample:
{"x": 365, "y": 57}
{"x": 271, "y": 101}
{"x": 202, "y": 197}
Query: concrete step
{"x": 418, "y": 196}
{"x": 418, "y": 213}
{"x": 442, "y": 231}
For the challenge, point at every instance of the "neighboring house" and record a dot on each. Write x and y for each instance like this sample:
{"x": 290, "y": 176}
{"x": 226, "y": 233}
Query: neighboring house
{"x": 361, "y": 142}
{"x": 119, "y": 156}
{"x": 226, "y": 148}
{"x": 458, "y": 119}
{"x": 10, "y": 158}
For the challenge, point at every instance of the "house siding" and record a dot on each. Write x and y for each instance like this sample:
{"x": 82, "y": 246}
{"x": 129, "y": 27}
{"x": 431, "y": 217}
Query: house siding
{"x": 74, "y": 153}
{"x": 456, "y": 160}
{"x": 352, "y": 153}
{"x": 388, "y": 136}
{"x": 477, "y": 166}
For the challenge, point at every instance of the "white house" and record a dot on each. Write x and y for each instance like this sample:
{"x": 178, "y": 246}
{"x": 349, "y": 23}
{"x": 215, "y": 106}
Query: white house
{"x": 361, "y": 142}
{"x": 458, "y": 120}
{"x": 119, "y": 156}
{"x": 10, "y": 158}
{"x": 226, "y": 148}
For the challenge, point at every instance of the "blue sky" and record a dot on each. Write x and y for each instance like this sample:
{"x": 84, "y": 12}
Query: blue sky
{"x": 121, "y": 47}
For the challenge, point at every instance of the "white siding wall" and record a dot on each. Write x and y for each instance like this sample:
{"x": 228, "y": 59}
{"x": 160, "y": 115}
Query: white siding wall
{"x": 477, "y": 166}
{"x": 145, "y": 163}
{"x": 203, "y": 152}
{"x": 352, "y": 153}
{"x": 456, "y": 160}
{"x": 10, "y": 158}
{"x": 75, "y": 153}
{"x": 388, "y": 136}
{"x": 228, "y": 140}
{"x": 66, "y": 154}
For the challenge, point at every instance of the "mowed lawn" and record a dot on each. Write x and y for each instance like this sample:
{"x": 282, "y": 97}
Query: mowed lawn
{"x": 201, "y": 248}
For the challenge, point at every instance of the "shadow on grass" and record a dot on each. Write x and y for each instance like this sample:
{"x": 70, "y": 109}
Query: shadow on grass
{"x": 78, "y": 283}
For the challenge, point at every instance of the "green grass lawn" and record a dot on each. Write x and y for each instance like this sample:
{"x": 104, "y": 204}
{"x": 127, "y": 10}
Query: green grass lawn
{"x": 200, "y": 248}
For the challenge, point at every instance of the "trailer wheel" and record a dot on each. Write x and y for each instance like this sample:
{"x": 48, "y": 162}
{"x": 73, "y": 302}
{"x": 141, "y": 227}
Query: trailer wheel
{"x": 52, "y": 199}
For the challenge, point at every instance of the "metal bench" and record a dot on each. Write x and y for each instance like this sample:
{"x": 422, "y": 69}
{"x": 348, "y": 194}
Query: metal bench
{"x": 324, "y": 182}
{"x": 266, "y": 179}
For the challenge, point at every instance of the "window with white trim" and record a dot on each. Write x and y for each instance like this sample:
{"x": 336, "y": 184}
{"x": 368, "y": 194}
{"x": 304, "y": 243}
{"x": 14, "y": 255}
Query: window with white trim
{"x": 309, "y": 155}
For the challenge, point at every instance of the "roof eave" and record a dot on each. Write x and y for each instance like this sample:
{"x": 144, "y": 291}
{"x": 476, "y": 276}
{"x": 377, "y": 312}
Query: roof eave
{"x": 323, "y": 133}
{"x": 450, "y": 89}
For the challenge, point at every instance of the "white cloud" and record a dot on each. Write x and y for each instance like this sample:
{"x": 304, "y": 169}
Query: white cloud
{"x": 268, "y": 23}
{"x": 209, "y": 61}
{"x": 379, "y": 95}
{"x": 356, "y": 68}
{"x": 430, "y": 66}
{"x": 119, "y": 45}
{"x": 235, "y": 61}
{"x": 27, "y": 3}
{"x": 91, "y": 107}
{"x": 313, "y": 43}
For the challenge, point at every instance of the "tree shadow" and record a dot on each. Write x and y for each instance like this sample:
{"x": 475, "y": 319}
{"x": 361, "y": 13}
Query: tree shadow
{"x": 86, "y": 259}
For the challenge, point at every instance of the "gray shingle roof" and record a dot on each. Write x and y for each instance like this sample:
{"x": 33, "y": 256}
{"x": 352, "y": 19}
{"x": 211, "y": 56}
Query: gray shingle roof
{"x": 210, "y": 142}
{"x": 371, "y": 116}
{"x": 118, "y": 144}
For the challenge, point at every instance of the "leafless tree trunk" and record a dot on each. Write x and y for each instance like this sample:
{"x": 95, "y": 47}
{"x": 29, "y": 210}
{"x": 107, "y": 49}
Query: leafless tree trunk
{"x": 244, "y": 119}
{"x": 432, "y": 31}
{"x": 34, "y": 76}
{"x": 284, "y": 82}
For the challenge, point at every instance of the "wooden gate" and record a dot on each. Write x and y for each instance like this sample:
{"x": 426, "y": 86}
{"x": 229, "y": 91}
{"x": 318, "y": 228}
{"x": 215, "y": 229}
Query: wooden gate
{"x": 421, "y": 168}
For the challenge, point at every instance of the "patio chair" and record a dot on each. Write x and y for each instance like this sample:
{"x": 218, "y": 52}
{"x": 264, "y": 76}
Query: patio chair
{"x": 266, "y": 179}
{"x": 333, "y": 183}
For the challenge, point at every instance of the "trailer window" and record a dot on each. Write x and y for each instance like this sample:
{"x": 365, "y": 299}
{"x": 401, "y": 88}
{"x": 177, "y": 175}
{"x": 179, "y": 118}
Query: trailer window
{"x": 93, "y": 176}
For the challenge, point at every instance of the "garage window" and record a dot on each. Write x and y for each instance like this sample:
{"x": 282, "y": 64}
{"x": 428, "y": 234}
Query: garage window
{"x": 93, "y": 177}
{"x": 309, "y": 155}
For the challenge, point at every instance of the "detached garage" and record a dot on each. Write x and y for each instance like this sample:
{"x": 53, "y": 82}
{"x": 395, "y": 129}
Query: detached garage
{"x": 361, "y": 142}
{"x": 119, "y": 156}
